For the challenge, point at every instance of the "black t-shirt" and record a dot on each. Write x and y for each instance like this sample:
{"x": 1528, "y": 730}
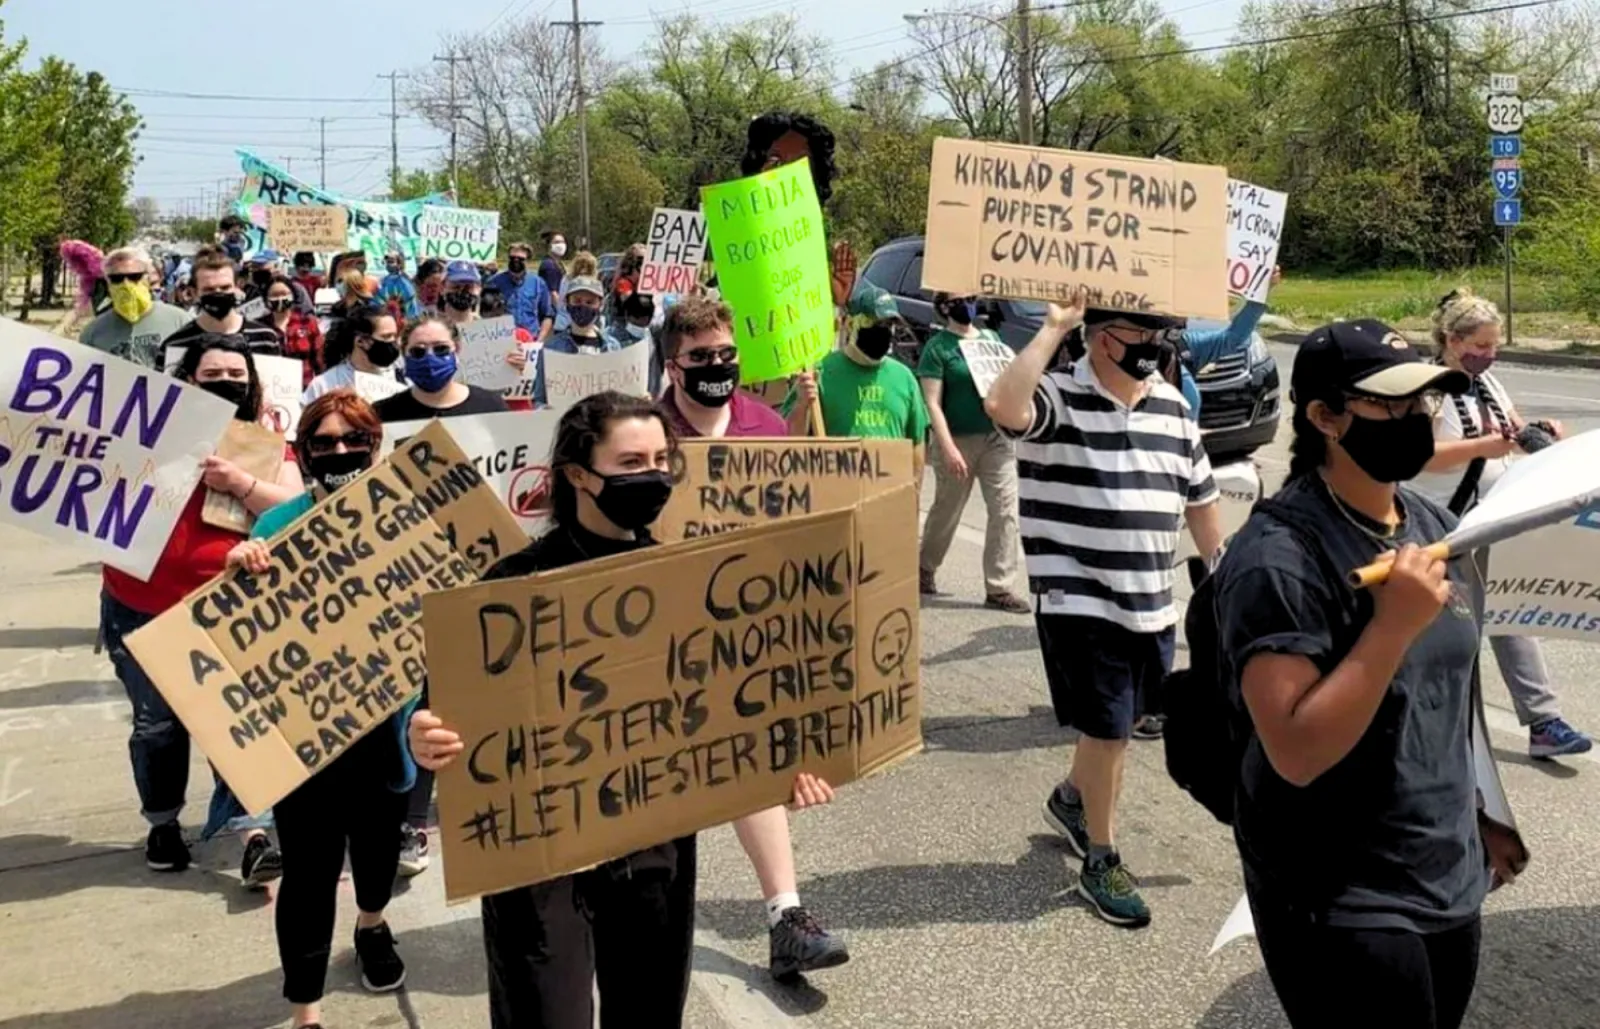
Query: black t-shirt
{"x": 405, "y": 407}
{"x": 259, "y": 337}
{"x": 1388, "y": 837}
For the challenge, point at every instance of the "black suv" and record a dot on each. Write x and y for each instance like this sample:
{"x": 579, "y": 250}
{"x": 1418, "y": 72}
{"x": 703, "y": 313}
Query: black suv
{"x": 1239, "y": 408}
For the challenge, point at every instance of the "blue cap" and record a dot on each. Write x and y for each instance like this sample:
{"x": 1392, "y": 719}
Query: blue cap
{"x": 265, "y": 257}
{"x": 462, "y": 271}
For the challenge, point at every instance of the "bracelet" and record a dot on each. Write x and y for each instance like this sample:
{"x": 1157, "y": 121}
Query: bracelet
{"x": 254, "y": 482}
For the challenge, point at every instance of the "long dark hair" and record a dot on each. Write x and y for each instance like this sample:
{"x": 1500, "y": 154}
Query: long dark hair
{"x": 189, "y": 367}
{"x": 771, "y": 127}
{"x": 341, "y": 339}
{"x": 1308, "y": 450}
{"x": 584, "y": 426}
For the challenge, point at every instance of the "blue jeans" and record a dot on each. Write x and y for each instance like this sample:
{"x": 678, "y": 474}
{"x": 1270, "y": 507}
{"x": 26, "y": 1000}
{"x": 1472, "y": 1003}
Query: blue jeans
{"x": 159, "y": 744}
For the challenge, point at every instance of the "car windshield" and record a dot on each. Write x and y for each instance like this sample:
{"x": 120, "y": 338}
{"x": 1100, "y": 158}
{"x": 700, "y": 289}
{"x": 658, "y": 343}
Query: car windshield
{"x": 1030, "y": 308}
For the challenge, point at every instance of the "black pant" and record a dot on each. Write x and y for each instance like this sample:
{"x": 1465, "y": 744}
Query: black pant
{"x": 627, "y": 925}
{"x": 420, "y": 800}
{"x": 348, "y": 803}
{"x": 1332, "y": 978}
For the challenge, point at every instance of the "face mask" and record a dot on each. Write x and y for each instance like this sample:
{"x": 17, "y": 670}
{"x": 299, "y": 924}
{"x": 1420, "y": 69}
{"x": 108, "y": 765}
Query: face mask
{"x": 711, "y": 384}
{"x": 131, "y": 300}
{"x": 638, "y": 331}
{"x": 583, "y": 317}
{"x": 218, "y": 305}
{"x": 431, "y": 372}
{"x": 518, "y": 265}
{"x": 280, "y": 304}
{"x": 234, "y": 392}
{"x": 1140, "y": 359}
{"x": 1476, "y": 364}
{"x": 461, "y": 301}
{"x": 335, "y": 471}
{"x": 262, "y": 278}
{"x": 382, "y": 352}
{"x": 634, "y": 500}
{"x": 558, "y": 249}
{"x": 964, "y": 313}
{"x": 1390, "y": 449}
{"x": 873, "y": 342}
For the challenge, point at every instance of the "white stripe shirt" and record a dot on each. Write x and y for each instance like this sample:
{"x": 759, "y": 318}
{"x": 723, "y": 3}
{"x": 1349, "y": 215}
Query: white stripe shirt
{"x": 1103, "y": 490}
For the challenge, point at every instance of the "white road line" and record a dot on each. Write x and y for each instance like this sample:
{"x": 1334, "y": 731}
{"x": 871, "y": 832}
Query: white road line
{"x": 8, "y": 798}
{"x": 1558, "y": 396}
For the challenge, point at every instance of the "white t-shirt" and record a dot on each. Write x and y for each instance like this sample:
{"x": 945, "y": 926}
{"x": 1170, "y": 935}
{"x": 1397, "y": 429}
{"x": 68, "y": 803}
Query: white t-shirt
{"x": 344, "y": 376}
{"x": 1441, "y": 486}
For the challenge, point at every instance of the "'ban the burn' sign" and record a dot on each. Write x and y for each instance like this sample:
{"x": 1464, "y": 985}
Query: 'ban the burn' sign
{"x": 625, "y": 702}
{"x": 1035, "y": 223}
{"x": 276, "y": 675}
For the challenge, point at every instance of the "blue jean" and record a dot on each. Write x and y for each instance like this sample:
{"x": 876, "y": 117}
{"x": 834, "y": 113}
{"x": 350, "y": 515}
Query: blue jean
{"x": 159, "y": 744}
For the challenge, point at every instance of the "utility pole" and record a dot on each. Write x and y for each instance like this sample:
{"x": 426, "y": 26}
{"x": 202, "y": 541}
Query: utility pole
{"x": 455, "y": 114}
{"x": 394, "y": 129}
{"x": 1024, "y": 73}
{"x": 577, "y": 25}
{"x": 322, "y": 152}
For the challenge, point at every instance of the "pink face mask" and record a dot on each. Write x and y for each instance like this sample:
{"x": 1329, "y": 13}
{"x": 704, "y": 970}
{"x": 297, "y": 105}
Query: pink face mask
{"x": 1475, "y": 364}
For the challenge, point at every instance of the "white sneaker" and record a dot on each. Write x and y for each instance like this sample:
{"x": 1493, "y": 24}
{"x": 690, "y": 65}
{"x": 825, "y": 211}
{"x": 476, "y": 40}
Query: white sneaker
{"x": 413, "y": 851}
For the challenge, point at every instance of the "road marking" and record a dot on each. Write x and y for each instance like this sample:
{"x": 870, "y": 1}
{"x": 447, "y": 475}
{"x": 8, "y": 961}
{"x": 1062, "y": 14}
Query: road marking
{"x": 7, "y": 798}
{"x": 1558, "y": 396}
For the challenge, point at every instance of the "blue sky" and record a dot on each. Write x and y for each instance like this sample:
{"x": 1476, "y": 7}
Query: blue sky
{"x": 286, "y": 51}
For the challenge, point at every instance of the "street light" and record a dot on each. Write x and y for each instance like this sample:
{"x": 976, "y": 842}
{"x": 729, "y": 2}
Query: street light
{"x": 1021, "y": 39}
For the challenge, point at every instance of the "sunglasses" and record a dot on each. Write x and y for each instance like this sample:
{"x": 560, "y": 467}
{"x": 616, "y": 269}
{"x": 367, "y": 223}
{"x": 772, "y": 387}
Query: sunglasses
{"x": 705, "y": 355}
{"x": 118, "y": 278}
{"x": 325, "y": 444}
{"x": 417, "y": 353}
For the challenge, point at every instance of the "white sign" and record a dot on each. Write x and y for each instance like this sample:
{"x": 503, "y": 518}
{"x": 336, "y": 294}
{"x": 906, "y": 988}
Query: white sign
{"x": 373, "y": 388}
{"x": 253, "y": 310}
{"x": 458, "y": 234}
{"x": 282, "y": 388}
{"x": 986, "y": 358}
{"x": 677, "y": 246}
{"x": 1255, "y": 226}
{"x": 484, "y": 347}
{"x": 1505, "y": 114}
{"x": 511, "y": 450}
{"x": 97, "y": 451}
{"x": 568, "y": 378}
{"x": 1501, "y": 83}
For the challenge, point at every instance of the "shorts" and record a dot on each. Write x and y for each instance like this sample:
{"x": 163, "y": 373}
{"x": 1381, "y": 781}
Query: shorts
{"x": 1100, "y": 674}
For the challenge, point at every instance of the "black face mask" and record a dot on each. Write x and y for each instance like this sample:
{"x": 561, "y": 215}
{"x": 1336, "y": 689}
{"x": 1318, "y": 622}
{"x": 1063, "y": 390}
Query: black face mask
{"x": 517, "y": 265}
{"x": 711, "y": 384}
{"x": 961, "y": 312}
{"x": 873, "y": 341}
{"x": 234, "y": 391}
{"x": 461, "y": 301}
{"x": 1390, "y": 449}
{"x": 262, "y": 278}
{"x": 382, "y": 352}
{"x": 280, "y": 304}
{"x": 1140, "y": 359}
{"x": 218, "y": 305}
{"x": 335, "y": 471}
{"x": 634, "y": 500}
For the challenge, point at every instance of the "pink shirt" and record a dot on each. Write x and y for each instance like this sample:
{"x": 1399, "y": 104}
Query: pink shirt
{"x": 750, "y": 417}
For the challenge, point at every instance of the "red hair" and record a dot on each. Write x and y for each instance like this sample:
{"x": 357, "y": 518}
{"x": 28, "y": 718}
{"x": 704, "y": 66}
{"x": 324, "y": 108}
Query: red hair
{"x": 345, "y": 403}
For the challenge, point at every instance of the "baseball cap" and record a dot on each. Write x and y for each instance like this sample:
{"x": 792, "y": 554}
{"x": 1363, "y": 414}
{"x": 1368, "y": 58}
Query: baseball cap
{"x": 461, "y": 271}
{"x": 265, "y": 257}
{"x": 873, "y": 303}
{"x": 1151, "y": 322}
{"x": 584, "y": 284}
{"x": 1366, "y": 357}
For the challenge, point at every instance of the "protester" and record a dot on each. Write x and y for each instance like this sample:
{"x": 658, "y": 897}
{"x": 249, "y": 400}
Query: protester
{"x": 527, "y": 297}
{"x": 583, "y": 337}
{"x": 624, "y": 284}
{"x": 260, "y": 268}
{"x": 217, "y": 297}
{"x": 638, "y": 315}
{"x": 306, "y": 274}
{"x": 396, "y": 290}
{"x": 462, "y": 290}
{"x": 353, "y": 804}
{"x": 781, "y": 137}
{"x": 137, "y": 324}
{"x": 299, "y": 333}
{"x": 368, "y": 341}
{"x": 194, "y": 554}
{"x": 627, "y": 925}
{"x": 1109, "y": 464}
{"x": 1357, "y": 815}
{"x": 969, "y": 448}
{"x": 232, "y": 240}
{"x": 430, "y": 285}
{"x": 1475, "y": 436}
{"x": 550, "y": 270}
{"x": 357, "y": 292}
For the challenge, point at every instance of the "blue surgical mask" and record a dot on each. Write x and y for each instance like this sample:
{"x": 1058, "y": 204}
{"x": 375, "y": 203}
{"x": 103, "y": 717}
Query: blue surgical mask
{"x": 431, "y": 372}
{"x": 638, "y": 331}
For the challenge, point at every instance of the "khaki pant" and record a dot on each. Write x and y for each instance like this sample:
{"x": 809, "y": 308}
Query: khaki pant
{"x": 992, "y": 463}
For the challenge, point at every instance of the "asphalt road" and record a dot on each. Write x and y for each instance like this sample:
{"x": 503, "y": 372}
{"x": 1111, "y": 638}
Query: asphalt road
{"x": 957, "y": 901}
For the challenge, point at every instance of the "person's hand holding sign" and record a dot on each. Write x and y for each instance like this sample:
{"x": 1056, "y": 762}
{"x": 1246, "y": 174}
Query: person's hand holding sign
{"x": 810, "y": 791}
{"x": 432, "y": 745}
{"x": 1064, "y": 318}
{"x": 251, "y": 555}
{"x": 1413, "y": 596}
{"x": 224, "y": 476}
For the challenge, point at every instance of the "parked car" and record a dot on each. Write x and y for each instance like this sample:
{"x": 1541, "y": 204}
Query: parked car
{"x": 1239, "y": 395}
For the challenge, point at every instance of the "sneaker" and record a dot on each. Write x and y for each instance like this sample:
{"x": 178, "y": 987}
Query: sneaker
{"x": 1068, "y": 820}
{"x": 382, "y": 971}
{"x": 926, "y": 585}
{"x": 1553, "y": 737}
{"x": 413, "y": 851}
{"x": 1114, "y": 892}
{"x": 1010, "y": 603}
{"x": 1149, "y": 727}
{"x": 262, "y": 863}
{"x": 800, "y": 944}
{"x": 164, "y": 849}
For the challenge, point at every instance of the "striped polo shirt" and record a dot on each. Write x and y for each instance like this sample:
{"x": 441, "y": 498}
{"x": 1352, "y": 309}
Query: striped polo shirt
{"x": 1103, "y": 489}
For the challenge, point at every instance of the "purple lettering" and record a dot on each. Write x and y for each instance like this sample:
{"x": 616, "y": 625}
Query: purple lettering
{"x": 25, "y": 503}
{"x": 119, "y": 523}
{"x": 92, "y": 386}
{"x": 86, "y": 478}
{"x": 44, "y": 368}
{"x": 150, "y": 426}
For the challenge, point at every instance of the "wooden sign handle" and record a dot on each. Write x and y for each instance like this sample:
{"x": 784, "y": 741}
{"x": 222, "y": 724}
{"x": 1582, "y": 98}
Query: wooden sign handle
{"x": 1377, "y": 573}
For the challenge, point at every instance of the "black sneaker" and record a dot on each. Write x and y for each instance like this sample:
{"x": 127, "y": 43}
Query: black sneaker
{"x": 1150, "y": 727}
{"x": 800, "y": 944}
{"x": 1010, "y": 603}
{"x": 164, "y": 849}
{"x": 382, "y": 971}
{"x": 262, "y": 863}
{"x": 1068, "y": 820}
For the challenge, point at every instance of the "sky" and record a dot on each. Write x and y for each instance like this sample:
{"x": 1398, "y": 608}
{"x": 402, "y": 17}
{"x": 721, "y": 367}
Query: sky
{"x": 277, "y": 75}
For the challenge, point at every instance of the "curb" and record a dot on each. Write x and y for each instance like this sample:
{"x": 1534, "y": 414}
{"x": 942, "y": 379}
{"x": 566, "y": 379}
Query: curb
{"x": 1527, "y": 358}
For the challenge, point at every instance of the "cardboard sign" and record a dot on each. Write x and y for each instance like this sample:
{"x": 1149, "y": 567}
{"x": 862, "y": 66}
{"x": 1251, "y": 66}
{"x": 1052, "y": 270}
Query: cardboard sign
{"x": 321, "y": 228}
{"x": 677, "y": 246}
{"x": 276, "y": 675}
{"x": 568, "y": 378}
{"x": 510, "y": 449}
{"x": 258, "y": 451}
{"x": 625, "y": 702}
{"x": 772, "y": 268}
{"x": 97, "y": 451}
{"x": 986, "y": 358}
{"x": 1037, "y": 224}
{"x": 484, "y": 346}
{"x": 458, "y": 234}
{"x": 1255, "y": 225}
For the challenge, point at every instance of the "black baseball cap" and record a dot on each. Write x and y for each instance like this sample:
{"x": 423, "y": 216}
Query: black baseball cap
{"x": 1369, "y": 358}
{"x": 1151, "y": 322}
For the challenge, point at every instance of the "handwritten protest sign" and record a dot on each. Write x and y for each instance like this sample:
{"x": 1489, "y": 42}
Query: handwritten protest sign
{"x": 1037, "y": 224}
{"x": 484, "y": 346}
{"x": 568, "y": 378}
{"x": 772, "y": 268}
{"x": 510, "y": 449}
{"x": 282, "y": 380}
{"x": 319, "y": 229}
{"x": 97, "y": 451}
{"x": 258, "y": 451}
{"x": 254, "y": 309}
{"x": 373, "y": 388}
{"x": 458, "y": 234}
{"x": 986, "y": 358}
{"x": 276, "y": 675}
{"x": 677, "y": 246}
{"x": 1255, "y": 225}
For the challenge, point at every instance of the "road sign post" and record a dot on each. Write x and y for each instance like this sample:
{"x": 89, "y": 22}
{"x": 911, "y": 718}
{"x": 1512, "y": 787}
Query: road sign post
{"x": 1504, "y": 112}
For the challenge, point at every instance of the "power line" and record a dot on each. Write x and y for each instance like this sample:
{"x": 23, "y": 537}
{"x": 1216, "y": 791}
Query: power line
{"x": 240, "y": 98}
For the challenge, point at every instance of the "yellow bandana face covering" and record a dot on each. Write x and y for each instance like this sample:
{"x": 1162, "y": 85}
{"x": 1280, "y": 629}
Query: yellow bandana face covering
{"x": 131, "y": 300}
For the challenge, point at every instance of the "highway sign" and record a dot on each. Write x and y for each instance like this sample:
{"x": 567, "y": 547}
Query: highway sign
{"x": 1504, "y": 84}
{"x": 1506, "y": 164}
{"x": 1508, "y": 212}
{"x": 1505, "y": 146}
{"x": 1505, "y": 114}
{"x": 1507, "y": 182}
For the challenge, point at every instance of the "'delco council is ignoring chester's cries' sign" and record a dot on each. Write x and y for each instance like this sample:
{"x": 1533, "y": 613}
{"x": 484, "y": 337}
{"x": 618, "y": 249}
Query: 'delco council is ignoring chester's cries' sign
{"x": 1034, "y": 223}
{"x": 276, "y": 675}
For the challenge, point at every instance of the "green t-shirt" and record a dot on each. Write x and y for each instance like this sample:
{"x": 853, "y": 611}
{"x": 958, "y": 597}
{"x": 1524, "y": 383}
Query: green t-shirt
{"x": 140, "y": 341}
{"x": 881, "y": 402}
{"x": 959, "y": 400}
